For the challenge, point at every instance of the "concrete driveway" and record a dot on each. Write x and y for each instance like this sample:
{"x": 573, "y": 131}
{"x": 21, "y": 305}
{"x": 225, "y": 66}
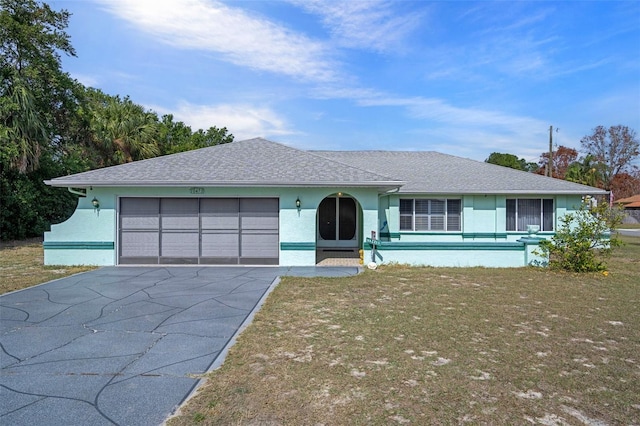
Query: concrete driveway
{"x": 123, "y": 345}
{"x": 629, "y": 232}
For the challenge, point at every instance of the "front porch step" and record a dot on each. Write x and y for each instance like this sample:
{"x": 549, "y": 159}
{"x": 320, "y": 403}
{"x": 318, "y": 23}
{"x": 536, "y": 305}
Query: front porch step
{"x": 337, "y": 257}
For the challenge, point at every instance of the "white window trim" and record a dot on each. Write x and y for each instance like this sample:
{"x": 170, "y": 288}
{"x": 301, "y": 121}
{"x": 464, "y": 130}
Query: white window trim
{"x": 445, "y": 215}
{"x": 541, "y": 199}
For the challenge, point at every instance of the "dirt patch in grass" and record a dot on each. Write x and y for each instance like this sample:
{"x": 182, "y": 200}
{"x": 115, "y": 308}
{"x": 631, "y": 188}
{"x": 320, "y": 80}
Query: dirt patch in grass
{"x": 22, "y": 265}
{"x": 437, "y": 346}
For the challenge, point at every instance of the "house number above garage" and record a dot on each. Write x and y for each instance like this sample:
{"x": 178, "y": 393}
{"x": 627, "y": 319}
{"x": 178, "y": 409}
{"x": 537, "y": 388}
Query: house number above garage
{"x": 196, "y": 190}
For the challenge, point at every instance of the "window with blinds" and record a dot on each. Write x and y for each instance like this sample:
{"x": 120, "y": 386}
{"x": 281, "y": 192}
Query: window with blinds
{"x": 522, "y": 212}
{"x": 427, "y": 214}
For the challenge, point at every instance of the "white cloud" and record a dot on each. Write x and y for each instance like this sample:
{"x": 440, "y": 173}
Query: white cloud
{"x": 440, "y": 111}
{"x": 86, "y": 80}
{"x": 473, "y": 128}
{"x": 363, "y": 24}
{"x": 243, "y": 121}
{"x": 239, "y": 38}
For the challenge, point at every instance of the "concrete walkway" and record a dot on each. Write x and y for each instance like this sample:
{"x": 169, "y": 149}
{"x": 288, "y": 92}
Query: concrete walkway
{"x": 123, "y": 345}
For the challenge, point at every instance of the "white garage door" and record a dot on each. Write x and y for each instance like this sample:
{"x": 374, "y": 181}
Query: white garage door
{"x": 228, "y": 231}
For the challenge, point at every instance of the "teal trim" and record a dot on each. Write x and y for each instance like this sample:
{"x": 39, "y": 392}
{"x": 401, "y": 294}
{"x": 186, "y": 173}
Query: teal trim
{"x": 298, "y": 246}
{"x": 503, "y": 246}
{"x": 530, "y": 240}
{"x": 429, "y": 233}
{"x": 525, "y": 233}
{"x": 484, "y": 235}
{"x": 78, "y": 245}
{"x": 390, "y": 235}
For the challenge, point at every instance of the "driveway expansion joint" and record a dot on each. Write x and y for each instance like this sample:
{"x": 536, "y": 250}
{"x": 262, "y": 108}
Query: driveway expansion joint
{"x": 124, "y": 345}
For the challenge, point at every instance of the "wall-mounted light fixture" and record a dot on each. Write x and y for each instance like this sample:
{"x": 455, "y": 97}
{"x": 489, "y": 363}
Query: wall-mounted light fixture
{"x": 95, "y": 203}
{"x": 298, "y": 203}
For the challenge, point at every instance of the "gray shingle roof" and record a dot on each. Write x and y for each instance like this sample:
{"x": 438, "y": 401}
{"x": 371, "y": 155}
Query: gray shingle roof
{"x": 258, "y": 162}
{"x": 436, "y": 173}
{"x": 253, "y": 162}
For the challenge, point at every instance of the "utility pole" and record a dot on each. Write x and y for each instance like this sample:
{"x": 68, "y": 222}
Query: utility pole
{"x": 550, "y": 163}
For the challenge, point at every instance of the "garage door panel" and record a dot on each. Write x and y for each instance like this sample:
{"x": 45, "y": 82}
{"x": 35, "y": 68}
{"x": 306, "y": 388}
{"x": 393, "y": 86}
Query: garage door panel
{"x": 259, "y": 205}
{"x": 221, "y": 222}
{"x": 219, "y": 205}
{"x": 139, "y": 213}
{"x": 220, "y": 261}
{"x": 179, "y": 213}
{"x": 259, "y": 222}
{"x": 180, "y": 244}
{"x": 220, "y": 244}
{"x": 259, "y": 245}
{"x": 178, "y": 260}
{"x": 259, "y": 213}
{"x": 220, "y": 213}
{"x": 258, "y": 261}
{"x": 139, "y": 243}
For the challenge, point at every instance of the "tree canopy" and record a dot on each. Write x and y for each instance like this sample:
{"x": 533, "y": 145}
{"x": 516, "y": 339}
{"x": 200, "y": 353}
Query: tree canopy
{"x": 51, "y": 125}
{"x": 562, "y": 158}
{"x": 607, "y": 161}
{"x": 614, "y": 148}
{"x": 35, "y": 92}
{"x": 510, "y": 160}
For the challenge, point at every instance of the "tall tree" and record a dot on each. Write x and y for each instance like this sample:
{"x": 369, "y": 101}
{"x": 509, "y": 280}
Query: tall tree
{"x": 510, "y": 160}
{"x": 22, "y": 131}
{"x": 626, "y": 185}
{"x": 35, "y": 93}
{"x": 212, "y": 136}
{"x": 586, "y": 171}
{"x": 562, "y": 157}
{"x": 172, "y": 135}
{"x": 121, "y": 130}
{"x": 616, "y": 148}
{"x": 178, "y": 137}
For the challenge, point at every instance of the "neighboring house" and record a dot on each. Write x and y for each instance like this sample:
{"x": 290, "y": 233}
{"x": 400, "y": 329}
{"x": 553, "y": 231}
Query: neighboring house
{"x": 262, "y": 203}
{"x": 631, "y": 208}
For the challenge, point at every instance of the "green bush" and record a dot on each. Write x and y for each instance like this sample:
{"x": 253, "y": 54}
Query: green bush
{"x": 28, "y": 207}
{"x": 584, "y": 239}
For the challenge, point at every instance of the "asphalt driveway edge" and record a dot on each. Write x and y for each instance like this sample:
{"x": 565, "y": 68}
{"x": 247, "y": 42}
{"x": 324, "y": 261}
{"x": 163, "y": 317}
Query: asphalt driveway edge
{"x": 217, "y": 363}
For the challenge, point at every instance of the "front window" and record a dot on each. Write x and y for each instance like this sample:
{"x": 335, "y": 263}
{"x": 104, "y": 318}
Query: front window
{"x": 523, "y": 212}
{"x": 421, "y": 214}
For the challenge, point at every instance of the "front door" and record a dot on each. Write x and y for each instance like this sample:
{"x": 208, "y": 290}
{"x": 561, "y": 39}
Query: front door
{"x": 338, "y": 223}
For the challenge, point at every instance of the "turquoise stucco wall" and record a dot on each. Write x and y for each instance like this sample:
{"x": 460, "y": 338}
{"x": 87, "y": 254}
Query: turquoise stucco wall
{"x": 482, "y": 241}
{"x": 454, "y": 257}
{"x": 89, "y": 236}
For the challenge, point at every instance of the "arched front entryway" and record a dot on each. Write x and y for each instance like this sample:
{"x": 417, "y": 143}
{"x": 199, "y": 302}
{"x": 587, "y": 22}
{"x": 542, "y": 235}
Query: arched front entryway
{"x": 338, "y": 232}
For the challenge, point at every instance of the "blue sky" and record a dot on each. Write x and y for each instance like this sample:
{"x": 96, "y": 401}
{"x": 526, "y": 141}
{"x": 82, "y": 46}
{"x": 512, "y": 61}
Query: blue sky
{"x": 464, "y": 78}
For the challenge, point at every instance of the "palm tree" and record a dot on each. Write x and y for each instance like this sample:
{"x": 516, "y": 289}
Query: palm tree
{"x": 22, "y": 131}
{"x": 587, "y": 172}
{"x": 122, "y": 130}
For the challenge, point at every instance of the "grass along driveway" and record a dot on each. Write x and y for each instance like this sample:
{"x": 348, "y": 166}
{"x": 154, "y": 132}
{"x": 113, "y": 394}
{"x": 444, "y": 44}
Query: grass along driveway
{"x": 22, "y": 265}
{"x": 437, "y": 346}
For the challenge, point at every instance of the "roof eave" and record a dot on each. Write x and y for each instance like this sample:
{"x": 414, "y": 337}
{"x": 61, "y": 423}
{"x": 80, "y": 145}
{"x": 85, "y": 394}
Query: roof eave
{"x": 510, "y": 192}
{"x": 156, "y": 184}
